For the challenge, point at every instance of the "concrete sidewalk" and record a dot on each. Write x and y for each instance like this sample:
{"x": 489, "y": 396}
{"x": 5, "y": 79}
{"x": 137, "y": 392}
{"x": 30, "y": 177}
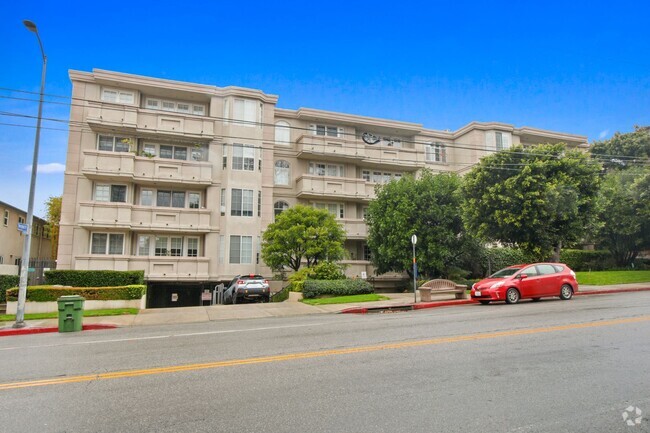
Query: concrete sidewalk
{"x": 291, "y": 307}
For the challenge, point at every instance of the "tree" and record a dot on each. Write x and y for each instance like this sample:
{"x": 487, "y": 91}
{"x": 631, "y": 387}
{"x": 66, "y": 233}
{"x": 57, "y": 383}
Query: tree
{"x": 623, "y": 150}
{"x": 302, "y": 232}
{"x": 625, "y": 214}
{"x": 53, "y": 219}
{"x": 535, "y": 197}
{"x": 428, "y": 207}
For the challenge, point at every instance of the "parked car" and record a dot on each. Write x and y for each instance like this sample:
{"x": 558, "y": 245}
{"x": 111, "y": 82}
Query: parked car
{"x": 249, "y": 287}
{"x": 533, "y": 281}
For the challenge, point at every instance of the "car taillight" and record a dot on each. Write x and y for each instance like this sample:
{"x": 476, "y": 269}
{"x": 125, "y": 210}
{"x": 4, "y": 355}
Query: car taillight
{"x": 240, "y": 281}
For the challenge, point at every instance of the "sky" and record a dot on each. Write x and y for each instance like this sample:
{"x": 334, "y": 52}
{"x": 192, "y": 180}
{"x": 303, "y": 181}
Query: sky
{"x": 581, "y": 67}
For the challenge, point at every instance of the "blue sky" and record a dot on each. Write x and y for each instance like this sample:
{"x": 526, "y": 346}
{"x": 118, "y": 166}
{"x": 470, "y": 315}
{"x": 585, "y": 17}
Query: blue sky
{"x": 578, "y": 67}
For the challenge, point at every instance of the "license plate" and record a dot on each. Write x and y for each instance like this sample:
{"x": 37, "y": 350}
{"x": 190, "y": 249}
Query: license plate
{"x": 477, "y": 293}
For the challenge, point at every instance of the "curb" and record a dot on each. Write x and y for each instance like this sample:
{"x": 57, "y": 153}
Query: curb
{"x": 25, "y": 331}
{"x": 452, "y": 303}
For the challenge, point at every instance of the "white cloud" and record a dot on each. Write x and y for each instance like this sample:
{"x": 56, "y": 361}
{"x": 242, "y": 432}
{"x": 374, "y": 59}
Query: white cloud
{"x": 53, "y": 167}
{"x": 603, "y": 134}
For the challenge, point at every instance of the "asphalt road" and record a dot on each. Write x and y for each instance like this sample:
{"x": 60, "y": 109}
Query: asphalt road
{"x": 551, "y": 366}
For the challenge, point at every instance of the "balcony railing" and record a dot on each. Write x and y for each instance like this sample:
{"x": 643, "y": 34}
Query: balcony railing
{"x": 156, "y": 268}
{"x": 311, "y": 186}
{"x": 330, "y": 147}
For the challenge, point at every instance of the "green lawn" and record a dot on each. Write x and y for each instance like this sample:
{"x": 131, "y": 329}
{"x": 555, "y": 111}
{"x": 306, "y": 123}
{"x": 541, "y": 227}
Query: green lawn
{"x": 604, "y": 278}
{"x": 87, "y": 313}
{"x": 345, "y": 299}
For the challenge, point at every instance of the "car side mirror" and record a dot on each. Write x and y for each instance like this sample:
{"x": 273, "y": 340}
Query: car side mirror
{"x": 522, "y": 276}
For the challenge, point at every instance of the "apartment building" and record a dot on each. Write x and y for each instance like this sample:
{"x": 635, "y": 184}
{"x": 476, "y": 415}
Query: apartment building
{"x": 181, "y": 179}
{"x": 12, "y": 239}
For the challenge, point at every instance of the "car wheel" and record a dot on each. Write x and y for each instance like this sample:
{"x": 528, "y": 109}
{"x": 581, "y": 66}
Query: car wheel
{"x": 512, "y": 296}
{"x": 536, "y": 299}
{"x": 566, "y": 292}
{"x": 484, "y": 302}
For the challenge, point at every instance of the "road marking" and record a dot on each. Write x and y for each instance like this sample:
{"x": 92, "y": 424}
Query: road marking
{"x": 317, "y": 354}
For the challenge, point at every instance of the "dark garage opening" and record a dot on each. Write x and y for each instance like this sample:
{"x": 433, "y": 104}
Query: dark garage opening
{"x": 176, "y": 294}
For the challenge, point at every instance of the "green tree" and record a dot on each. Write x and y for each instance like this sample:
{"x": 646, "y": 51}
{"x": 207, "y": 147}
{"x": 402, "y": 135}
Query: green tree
{"x": 428, "y": 207}
{"x": 53, "y": 220}
{"x": 537, "y": 198}
{"x": 623, "y": 150}
{"x": 625, "y": 214}
{"x": 302, "y": 232}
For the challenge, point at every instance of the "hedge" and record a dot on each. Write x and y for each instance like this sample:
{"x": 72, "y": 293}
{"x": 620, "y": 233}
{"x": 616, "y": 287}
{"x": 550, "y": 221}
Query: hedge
{"x": 7, "y": 282}
{"x": 316, "y": 288}
{"x": 587, "y": 260}
{"x": 52, "y": 293}
{"x": 93, "y": 278}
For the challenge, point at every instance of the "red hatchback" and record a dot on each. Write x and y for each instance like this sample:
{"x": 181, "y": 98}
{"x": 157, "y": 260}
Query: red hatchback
{"x": 534, "y": 281}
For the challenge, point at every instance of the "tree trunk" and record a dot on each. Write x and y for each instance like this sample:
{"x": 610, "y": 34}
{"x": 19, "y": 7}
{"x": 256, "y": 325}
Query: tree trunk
{"x": 556, "y": 252}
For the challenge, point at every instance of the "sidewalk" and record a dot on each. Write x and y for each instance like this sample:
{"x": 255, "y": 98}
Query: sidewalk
{"x": 161, "y": 316}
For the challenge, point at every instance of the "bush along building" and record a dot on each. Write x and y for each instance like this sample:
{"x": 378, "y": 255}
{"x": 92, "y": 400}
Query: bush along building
{"x": 181, "y": 179}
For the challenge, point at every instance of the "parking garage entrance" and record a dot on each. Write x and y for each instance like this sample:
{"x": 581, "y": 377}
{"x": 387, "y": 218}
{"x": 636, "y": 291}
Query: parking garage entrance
{"x": 177, "y": 294}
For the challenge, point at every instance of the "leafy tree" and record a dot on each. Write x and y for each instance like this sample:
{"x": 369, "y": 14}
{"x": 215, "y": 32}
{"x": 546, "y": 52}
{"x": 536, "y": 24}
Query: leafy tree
{"x": 535, "y": 197}
{"x": 428, "y": 207}
{"x": 625, "y": 214}
{"x": 623, "y": 150}
{"x": 53, "y": 219}
{"x": 302, "y": 232}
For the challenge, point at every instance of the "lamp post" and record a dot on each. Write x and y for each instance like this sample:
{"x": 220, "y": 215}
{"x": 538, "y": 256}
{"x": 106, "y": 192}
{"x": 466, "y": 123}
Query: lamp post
{"x": 414, "y": 240}
{"x": 24, "y": 262}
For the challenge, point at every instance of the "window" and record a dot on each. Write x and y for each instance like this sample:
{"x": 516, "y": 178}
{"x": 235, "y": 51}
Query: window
{"x": 279, "y": 207}
{"x": 199, "y": 110}
{"x": 365, "y": 175}
{"x": 118, "y": 96}
{"x": 168, "y": 246}
{"x": 173, "y": 152}
{"x": 110, "y": 193}
{"x": 223, "y": 201}
{"x": 6, "y": 218}
{"x": 170, "y": 198}
{"x": 176, "y": 247}
{"x": 175, "y": 106}
{"x": 281, "y": 173}
{"x": 146, "y": 197}
{"x": 192, "y": 247}
{"x": 149, "y": 150}
{"x": 21, "y": 220}
{"x": 259, "y": 203}
{"x": 107, "y": 243}
{"x": 530, "y": 271}
{"x": 241, "y": 203}
{"x": 37, "y": 230}
{"x": 435, "y": 152}
{"x": 546, "y": 269}
{"x": 241, "y": 249}
{"x": 225, "y": 156}
{"x": 499, "y": 140}
{"x": 367, "y": 255}
{"x": 282, "y": 133}
{"x": 336, "y": 209}
{"x": 325, "y": 130}
{"x": 323, "y": 169}
{"x": 245, "y": 110}
{"x": 143, "y": 245}
{"x": 113, "y": 144}
{"x": 243, "y": 157}
{"x": 194, "y": 199}
{"x": 502, "y": 140}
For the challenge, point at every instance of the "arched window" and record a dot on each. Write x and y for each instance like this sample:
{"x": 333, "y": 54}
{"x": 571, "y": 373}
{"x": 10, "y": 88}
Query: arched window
{"x": 279, "y": 206}
{"x": 281, "y": 173}
{"x": 282, "y": 133}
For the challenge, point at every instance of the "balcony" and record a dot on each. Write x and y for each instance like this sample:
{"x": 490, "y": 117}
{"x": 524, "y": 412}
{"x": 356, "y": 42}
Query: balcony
{"x": 143, "y": 218}
{"x": 157, "y": 268}
{"x": 112, "y": 115}
{"x": 355, "y": 228}
{"x": 165, "y": 123}
{"x": 330, "y": 148}
{"x": 125, "y": 166}
{"x": 397, "y": 158}
{"x": 311, "y": 186}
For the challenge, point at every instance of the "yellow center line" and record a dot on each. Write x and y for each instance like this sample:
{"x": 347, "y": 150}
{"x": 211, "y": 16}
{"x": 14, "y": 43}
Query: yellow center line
{"x": 317, "y": 354}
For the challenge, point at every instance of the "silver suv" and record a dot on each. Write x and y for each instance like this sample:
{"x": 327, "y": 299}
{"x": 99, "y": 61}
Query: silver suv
{"x": 249, "y": 287}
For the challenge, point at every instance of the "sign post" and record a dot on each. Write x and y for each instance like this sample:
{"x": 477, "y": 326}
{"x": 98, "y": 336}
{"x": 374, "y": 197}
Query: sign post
{"x": 414, "y": 240}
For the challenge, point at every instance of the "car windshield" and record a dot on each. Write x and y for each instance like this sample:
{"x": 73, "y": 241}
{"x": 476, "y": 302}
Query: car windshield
{"x": 504, "y": 273}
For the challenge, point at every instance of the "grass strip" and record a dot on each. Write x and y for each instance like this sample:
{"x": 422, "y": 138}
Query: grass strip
{"x": 606, "y": 278}
{"x": 345, "y": 299}
{"x": 87, "y": 313}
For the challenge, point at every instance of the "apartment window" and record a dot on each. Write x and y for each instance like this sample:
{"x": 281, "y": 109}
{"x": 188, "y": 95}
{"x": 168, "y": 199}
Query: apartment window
{"x": 241, "y": 249}
{"x": 324, "y": 169}
{"x": 21, "y": 220}
{"x": 110, "y": 193}
{"x": 199, "y": 110}
{"x": 149, "y": 149}
{"x": 107, "y": 243}
{"x": 46, "y": 232}
{"x": 223, "y": 201}
{"x": 192, "y": 247}
{"x": 279, "y": 207}
{"x": 435, "y": 152}
{"x": 173, "y": 152}
{"x": 170, "y": 198}
{"x": 336, "y": 209}
{"x": 175, "y": 106}
{"x": 365, "y": 175}
{"x": 118, "y": 96}
{"x": 113, "y": 144}
{"x": 367, "y": 255}
{"x": 146, "y": 197}
{"x": 364, "y": 212}
{"x": 194, "y": 199}
{"x": 245, "y": 110}
{"x": 281, "y": 173}
{"x": 225, "y": 156}
{"x": 243, "y": 157}
{"x": 282, "y": 133}
{"x": 37, "y": 231}
{"x": 6, "y": 218}
{"x": 502, "y": 140}
{"x": 144, "y": 245}
{"x": 176, "y": 247}
{"x": 259, "y": 203}
{"x": 327, "y": 131}
{"x": 241, "y": 203}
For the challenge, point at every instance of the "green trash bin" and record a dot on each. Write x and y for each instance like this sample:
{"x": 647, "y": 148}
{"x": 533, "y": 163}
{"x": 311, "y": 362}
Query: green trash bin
{"x": 71, "y": 310}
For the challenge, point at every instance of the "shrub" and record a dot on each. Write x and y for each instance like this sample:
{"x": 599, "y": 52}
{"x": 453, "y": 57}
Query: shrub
{"x": 281, "y": 296}
{"x": 316, "y": 288}
{"x": 297, "y": 279}
{"x": 7, "y": 282}
{"x": 587, "y": 260}
{"x": 52, "y": 293}
{"x": 327, "y": 271}
{"x": 93, "y": 278}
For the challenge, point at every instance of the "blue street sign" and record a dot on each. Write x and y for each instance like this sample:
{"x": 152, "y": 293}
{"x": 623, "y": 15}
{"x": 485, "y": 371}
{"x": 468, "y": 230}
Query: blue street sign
{"x": 22, "y": 227}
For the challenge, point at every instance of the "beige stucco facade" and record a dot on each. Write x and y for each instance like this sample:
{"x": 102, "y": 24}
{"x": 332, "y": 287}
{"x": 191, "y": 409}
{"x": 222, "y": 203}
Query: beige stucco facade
{"x": 12, "y": 240}
{"x": 181, "y": 179}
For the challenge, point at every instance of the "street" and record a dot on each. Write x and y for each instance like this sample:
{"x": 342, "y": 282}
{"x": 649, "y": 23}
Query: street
{"x": 549, "y": 366}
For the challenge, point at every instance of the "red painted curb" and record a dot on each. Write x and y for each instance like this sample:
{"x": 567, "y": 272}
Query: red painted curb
{"x": 423, "y": 305}
{"x": 26, "y": 331}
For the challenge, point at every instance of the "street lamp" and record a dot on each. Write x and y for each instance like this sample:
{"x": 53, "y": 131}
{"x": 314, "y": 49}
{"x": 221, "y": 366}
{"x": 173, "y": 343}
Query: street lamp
{"x": 414, "y": 240}
{"x": 24, "y": 262}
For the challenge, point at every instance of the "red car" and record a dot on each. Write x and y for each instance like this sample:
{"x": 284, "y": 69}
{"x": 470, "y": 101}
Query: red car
{"x": 534, "y": 281}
